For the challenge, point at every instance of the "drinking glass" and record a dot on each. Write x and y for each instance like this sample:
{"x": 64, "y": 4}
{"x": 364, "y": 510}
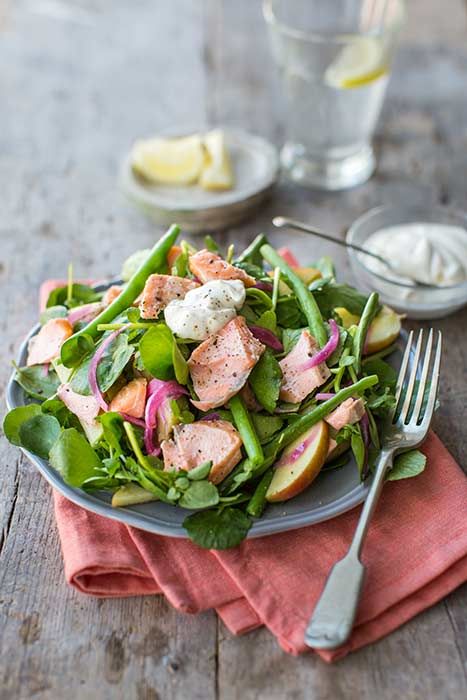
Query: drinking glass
{"x": 334, "y": 58}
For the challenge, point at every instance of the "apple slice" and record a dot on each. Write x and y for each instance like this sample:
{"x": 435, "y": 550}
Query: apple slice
{"x": 346, "y": 317}
{"x": 383, "y": 331}
{"x": 130, "y": 495}
{"x": 299, "y": 464}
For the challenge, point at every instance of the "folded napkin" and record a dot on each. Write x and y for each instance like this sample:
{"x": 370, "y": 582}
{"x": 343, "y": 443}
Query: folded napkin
{"x": 416, "y": 553}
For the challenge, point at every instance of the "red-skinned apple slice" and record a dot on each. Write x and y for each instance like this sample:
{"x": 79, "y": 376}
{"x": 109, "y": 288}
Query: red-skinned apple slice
{"x": 299, "y": 464}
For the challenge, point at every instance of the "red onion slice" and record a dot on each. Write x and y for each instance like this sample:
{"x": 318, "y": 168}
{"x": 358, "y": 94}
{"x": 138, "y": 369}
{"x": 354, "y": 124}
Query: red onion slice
{"x": 92, "y": 372}
{"x": 328, "y": 349}
{"x": 131, "y": 419}
{"x": 324, "y": 396}
{"x": 264, "y": 286}
{"x": 211, "y": 416}
{"x": 267, "y": 337}
{"x": 86, "y": 312}
{"x": 158, "y": 391}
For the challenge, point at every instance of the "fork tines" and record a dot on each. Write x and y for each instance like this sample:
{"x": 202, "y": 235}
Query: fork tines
{"x": 418, "y": 380}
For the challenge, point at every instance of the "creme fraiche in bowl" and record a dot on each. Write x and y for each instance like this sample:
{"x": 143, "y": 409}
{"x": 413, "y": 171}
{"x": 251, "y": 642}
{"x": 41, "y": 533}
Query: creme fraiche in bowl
{"x": 429, "y": 243}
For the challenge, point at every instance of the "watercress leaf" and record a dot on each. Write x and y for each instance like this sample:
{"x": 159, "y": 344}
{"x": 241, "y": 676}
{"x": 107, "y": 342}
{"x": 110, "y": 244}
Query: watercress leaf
{"x": 387, "y": 375}
{"x": 74, "y": 458}
{"x": 182, "y": 483}
{"x": 358, "y": 448}
{"x": 38, "y": 382}
{"x": 53, "y": 312}
{"x": 289, "y": 314}
{"x": 266, "y": 426}
{"x": 39, "y": 433}
{"x": 173, "y": 494}
{"x": 15, "y": 418}
{"x": 290, "y": 337}
{"x": 133, "y": 263}
{"x": 75, "y": 349}
{"x": 217, "y": 529}
{"x": 406, "y": 465}
{"x": 251, "y": 269}
{"x": 133, "y": 315}
{"x": 256, "y": 297}
{"x": 331, "y": 295}
{"x": 114, "y": 361}
{"x": 199, "y": 494}
{"x": 112, "y": 428}
{"x": 180, "y": 365}
{"x": 249, "y": 314}
{"x": 267, "y": 320}
{"x": 156, "y": 351}
{"x": 265, "y": 380}
{"x": 80, "y": 294}
{"x": 200, "y": 472}
{"x": 79, "y": 379}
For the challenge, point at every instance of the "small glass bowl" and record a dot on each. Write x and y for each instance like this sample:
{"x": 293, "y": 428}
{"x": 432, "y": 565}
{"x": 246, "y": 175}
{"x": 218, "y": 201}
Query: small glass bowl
{"x": 420, "y": 302}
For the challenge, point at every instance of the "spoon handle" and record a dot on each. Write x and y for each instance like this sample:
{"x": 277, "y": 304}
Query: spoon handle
{"x": 283, "y": 222}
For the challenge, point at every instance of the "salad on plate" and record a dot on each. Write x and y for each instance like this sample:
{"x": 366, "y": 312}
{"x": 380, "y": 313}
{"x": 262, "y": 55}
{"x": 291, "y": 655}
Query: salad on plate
{"x": 217, "y": 383}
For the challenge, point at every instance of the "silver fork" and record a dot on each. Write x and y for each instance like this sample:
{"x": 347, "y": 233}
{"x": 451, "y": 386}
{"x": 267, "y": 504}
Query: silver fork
{"x": 334, "y": 615}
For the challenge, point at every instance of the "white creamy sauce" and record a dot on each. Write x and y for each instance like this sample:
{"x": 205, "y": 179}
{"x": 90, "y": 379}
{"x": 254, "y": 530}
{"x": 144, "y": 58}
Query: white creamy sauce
{"x": 206, "y": 309}
{"x": 432, "y": 253}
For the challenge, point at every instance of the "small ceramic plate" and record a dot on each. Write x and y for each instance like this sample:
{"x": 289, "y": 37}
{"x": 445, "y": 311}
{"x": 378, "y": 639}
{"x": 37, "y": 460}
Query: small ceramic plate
{"x": 255, "y": 164}
{"x": 332, "y": 493}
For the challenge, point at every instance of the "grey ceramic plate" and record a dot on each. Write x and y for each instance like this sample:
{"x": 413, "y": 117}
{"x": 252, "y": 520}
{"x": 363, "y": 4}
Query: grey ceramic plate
{"x": 332, "y": 493}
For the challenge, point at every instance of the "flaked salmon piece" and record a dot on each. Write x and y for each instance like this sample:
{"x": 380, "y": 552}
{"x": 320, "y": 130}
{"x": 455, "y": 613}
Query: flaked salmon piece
{"x": 45, "y": 346}
{"x": 297, "y": 383}
{"x": 131, "y": 399}
{"x": 208, "y": 266}
{"x": 111, "y": 294}
{"x": 220, "y": 365}
{"x": 85, "y": 408}
{"x": 195, "y": 443}
{"x": 348, "y": 413}
{"x": 173, "y": 254}
{"x": 159, "y": 290}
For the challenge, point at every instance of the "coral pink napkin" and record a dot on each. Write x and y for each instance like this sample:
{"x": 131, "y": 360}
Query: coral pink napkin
{"x": 416, "y": 553}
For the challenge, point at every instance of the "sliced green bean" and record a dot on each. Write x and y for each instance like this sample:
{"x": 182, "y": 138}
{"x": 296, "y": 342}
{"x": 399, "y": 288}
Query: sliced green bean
{"x": 369, "y": 312}
{"x": 81, "y": 343}
{"x": 252, "y": 251}
{"x": 306, "y": 299}
{"x": 257, "y": 502}
{"x": 246, "y": 429}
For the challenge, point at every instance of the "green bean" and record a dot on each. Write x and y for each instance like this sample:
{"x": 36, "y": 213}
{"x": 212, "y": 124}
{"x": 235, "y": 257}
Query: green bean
{"x": 257, "y": 502}
{"x": 293, "y": 431}
{"x": 369, "y": 312}
{"x": 306, "y": 299}
{"x": 252, "y": 250}
{"x": 75, "y": 348}
{"x": 247, "y": 432}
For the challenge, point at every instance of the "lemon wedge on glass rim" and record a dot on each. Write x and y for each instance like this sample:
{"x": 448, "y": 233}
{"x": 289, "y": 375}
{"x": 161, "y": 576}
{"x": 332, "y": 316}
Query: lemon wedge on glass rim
{"x": 359, "y": 63}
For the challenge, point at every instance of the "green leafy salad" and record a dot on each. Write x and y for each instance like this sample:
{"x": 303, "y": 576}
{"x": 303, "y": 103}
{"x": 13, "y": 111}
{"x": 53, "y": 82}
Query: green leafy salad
{"x": 218, "y": 383}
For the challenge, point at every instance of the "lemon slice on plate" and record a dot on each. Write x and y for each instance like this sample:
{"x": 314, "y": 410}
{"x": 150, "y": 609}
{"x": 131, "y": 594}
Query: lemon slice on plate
{"x": 177, "y": 161}
{"x": 359, "y": 63}
{"x": 217, "y": 172}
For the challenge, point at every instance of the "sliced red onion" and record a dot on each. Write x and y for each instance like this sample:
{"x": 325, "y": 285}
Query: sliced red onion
{"x": 264, "y": 286}
{"x": 86, "y": 312}
{"x": 328, "y": 349}
{"x": 324, "y": 396}
{"x": 267, "y": 337}
{"x": 158, "y": 391}
{"x": 211, "y": 416}
{"x": 131, "y": 419}
{"x": 45, "y": 369}
{"x": 287, "y": 255}
{"x": 92, "y": 372}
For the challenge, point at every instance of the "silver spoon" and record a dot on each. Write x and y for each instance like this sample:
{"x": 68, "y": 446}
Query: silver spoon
{"x": 284, "y": 222}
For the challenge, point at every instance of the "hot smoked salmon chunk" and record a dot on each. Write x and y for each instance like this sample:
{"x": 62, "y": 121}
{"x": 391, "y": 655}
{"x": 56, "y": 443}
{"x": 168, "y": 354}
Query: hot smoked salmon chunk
{"x": 220, "y": 365}
{"x": 348, "y": 413}
{"x": 208, "y": 266}
{"x": 45, "y": 346}
{"x": 194, "y": 443}
{"x": 297, "y": 383}
{"x": 159, "y": 290}
{"x": 131, "y": 399}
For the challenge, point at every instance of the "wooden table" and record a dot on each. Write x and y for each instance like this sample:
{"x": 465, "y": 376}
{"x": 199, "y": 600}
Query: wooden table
{"x": 79, "y": 81}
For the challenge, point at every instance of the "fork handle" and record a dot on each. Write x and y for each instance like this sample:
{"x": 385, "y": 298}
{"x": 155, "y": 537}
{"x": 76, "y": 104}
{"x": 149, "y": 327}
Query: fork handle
{"x": 333, "y": 617}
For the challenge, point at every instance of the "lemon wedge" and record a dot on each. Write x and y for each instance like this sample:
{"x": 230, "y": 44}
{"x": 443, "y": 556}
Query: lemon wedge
{"x": 217, "y": 172}
{"x": 170, "y": 161}
{"x": 359, "y": 63}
